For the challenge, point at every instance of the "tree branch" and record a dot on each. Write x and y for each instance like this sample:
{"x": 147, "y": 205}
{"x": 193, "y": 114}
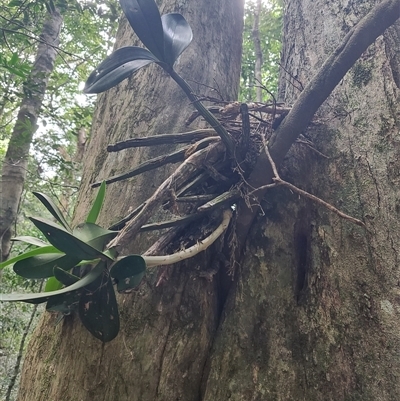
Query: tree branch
{"x": 357, "y": 40}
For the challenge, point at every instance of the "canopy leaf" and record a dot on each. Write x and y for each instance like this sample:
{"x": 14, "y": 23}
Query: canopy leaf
{"x": 45, "y": 296}
{"x": 97, "y": 204}
{"x": 29, "y": 254}
{"x": 42, "y": 266}
{"x": 65, "y": 241}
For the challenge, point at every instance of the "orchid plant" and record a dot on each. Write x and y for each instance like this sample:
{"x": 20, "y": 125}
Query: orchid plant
{"x": 67, "y": 251}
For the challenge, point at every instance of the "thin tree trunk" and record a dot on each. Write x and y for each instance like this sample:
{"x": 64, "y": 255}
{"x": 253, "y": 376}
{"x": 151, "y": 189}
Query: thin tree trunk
{"x": 258, "y": 51}
{"x": 15, "y": 163}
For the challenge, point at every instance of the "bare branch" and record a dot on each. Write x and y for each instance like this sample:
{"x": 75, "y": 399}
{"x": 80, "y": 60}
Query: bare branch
{"x": 357, "y": 40}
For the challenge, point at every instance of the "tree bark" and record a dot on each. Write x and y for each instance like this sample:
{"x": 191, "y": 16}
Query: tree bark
{"x": 313, "y": 312}
{"x": 15, "y": 163}
{"x": 167, "y": 330}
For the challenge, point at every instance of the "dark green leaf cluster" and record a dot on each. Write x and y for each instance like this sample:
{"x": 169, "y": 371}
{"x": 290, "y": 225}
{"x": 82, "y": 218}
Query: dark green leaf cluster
{"x": 165, "y": 37}
{"x": 60, "y": 261}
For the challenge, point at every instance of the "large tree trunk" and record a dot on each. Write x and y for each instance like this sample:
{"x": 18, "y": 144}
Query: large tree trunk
{"x": 15, "y": 163}
{"x": 313, "y": 313}
{"x": 167, "y": 330}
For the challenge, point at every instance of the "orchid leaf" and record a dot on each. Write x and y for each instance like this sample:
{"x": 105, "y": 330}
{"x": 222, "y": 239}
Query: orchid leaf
{"x": 52, "y": 208}
{"x": 64, "y": 303}
{"x": 94, "y": 235}
{"x": 128, "y": 272}
{"x": 145, "y": 20}
{"x": 44, "y": 296}
{"x": 177, "y": 36}
{"x": 42, "y": 266}
{"x": 97, "y": 204}
{"x": 65, "y": 277}
{"x": 98, "y": 308}
{"x": 65, "y": 241}
{"x": 52, "y": 284}
{"x": 116, "y": 67}
{"x": 29, "y": 254}
{"x": 30, "y": 240}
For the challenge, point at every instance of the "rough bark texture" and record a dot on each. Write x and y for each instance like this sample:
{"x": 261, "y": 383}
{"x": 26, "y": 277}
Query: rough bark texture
{"x": 167, "y": 331}
{"x": 15, "y": 163}
{"x": 313, "y": 313}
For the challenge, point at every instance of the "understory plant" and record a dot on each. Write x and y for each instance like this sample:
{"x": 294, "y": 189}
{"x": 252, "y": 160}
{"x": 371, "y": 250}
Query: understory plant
{"x": 60, "y": 261}
{"x": 80, "y": 275}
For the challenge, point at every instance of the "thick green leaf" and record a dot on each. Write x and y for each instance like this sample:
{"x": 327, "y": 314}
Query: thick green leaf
{"x": 97, "y": 204}
{"x": 65, "y": 303}
{"x": 65, "y": 277}
{"x": 177, "y": 36}
{"x": 45, "y": 296}
{"x": 30, "y": 240}
{"x": 52, "y": 284}
{"x": 145, "y": 20}
{"x": 98, "y": 308}
{"x": 52, "y": 208}
{"x": 128, "y": 272}
{"x": 29, "y": 254}
{"x": 94, "y": 235}
{"x": 116, "y": 67}
{"x": 42, "y": 266}
{"x": 65, "y": 241}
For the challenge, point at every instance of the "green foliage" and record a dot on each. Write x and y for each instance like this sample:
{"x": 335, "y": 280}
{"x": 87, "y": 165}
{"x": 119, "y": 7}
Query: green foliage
{"x": 93, "y": 294}
{"x": 128, "y": 272}
{"x": 166, "y": 38}
{"x": 95, "y": 210}
{"x": 86, "y": 38}
{"x": 98, "y": 308}
{"x": 270, "y": 36}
